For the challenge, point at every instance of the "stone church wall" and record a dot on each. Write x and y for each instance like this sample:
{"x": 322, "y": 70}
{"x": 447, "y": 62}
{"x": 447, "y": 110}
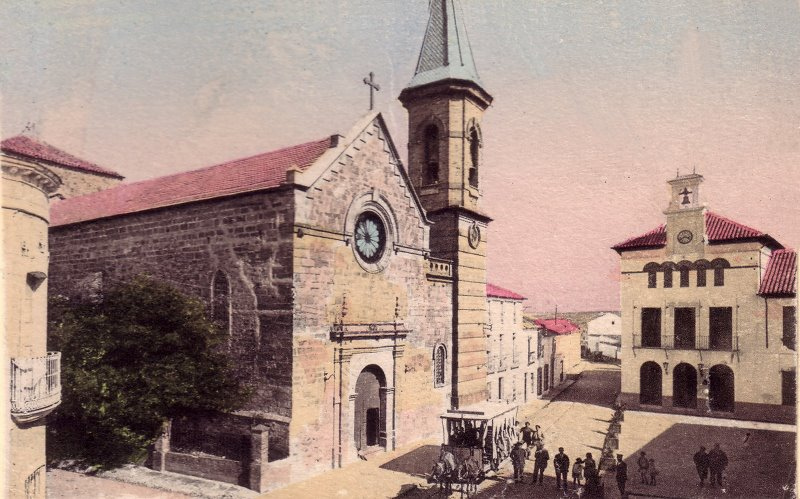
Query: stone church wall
{"x": 331, "y": 285}
{"x": 247, "y": 236}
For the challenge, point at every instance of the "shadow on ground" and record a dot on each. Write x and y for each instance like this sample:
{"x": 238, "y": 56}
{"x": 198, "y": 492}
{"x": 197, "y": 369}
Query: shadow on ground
{"x": 596, "y": 387}
{"x": 418, "y": 462}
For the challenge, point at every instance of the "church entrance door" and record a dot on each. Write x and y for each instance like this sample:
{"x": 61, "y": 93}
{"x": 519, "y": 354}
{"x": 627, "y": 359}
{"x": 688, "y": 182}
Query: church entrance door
{"x": 369, "y": 428}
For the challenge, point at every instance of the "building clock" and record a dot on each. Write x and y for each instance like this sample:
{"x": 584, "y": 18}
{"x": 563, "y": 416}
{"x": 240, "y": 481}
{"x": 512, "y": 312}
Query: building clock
{"x": 685, "y": 237}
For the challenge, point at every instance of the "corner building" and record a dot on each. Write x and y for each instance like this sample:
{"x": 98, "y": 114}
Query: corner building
{"x": 708, "y": 315}
{"x": 353, "y": 289}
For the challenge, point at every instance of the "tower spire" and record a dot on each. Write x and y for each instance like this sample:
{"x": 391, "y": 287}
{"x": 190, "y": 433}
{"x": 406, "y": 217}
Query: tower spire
{"x": 446, "y": 52}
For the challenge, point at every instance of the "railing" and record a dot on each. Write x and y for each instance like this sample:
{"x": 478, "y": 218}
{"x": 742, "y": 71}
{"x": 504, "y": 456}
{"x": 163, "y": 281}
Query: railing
{"x": 667, "y": 341}
{"x": 438, "y": 267}
{"x": 34, "y": 483}
{"x": 35, "y": 386}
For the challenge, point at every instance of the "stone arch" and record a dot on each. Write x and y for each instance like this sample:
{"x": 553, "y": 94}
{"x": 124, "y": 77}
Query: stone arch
{"x": 475, "y": 142}
{"x": 652, "y": 273}
{"x": 668, "y": 268}
{"x": 650, "y": 383}
{"x": 719, "y": 265}
{"x": 684, "y": 386}
{"x": 369, "y": 428}
{"x": 702, "y": 267}
{"x": 721, "y": 388}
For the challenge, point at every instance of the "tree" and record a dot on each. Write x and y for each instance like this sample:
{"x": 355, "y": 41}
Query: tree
{"x": 142, "y": 354}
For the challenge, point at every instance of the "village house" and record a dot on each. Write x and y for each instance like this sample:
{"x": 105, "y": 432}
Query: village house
{"x": 510, "y": 363}
{"x": 604, "y": 335}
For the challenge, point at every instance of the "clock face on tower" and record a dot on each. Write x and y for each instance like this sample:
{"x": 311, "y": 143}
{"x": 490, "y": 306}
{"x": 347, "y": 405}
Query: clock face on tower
{"x": 370, "y": 237}
{"x": 685, "y": 237}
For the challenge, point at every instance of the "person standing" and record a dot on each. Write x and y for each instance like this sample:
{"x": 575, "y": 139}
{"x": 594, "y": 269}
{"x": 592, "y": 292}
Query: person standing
{"x": 527, "y": 435}
{"x": 561, "y": 464}
{"x": 651, "y": 468}
{"x": 717, "y": 462}
{"x": 621, "y": 474}
{"x": 701, "y": 463}
{"x": 643, "y": 463}
{"x": 518, "y": 456}
{"x": 577, "y": 472}
{"x": 540, "y": 459}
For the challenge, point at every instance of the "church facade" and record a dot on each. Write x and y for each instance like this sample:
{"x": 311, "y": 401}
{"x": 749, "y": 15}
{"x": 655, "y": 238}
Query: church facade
{"x": 708, "y": 315}
{"x": 353, "y": 288}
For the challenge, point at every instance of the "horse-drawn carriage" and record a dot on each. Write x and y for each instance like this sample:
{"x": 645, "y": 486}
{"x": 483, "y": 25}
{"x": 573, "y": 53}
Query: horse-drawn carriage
{"x": 476, "y": 440}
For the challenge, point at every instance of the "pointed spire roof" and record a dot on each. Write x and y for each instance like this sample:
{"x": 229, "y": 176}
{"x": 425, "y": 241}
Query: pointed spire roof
{"x": 446, "y": 53}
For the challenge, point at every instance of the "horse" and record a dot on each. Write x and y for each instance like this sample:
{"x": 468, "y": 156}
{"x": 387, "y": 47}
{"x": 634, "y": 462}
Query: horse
{"x": 442, "y": 475}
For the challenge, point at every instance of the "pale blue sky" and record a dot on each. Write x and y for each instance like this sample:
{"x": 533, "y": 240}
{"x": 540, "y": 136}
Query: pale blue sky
{"x": 597, "y": 104}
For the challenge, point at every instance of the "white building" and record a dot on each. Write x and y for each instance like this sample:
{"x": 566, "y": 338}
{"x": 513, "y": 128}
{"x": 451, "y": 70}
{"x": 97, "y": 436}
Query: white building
{"x": 604, "y": 335}
{"x": 511, "y": 348}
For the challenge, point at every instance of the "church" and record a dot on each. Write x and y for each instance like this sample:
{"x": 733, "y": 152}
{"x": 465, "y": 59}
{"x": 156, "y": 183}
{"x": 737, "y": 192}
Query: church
{"x": 353, "y": 287}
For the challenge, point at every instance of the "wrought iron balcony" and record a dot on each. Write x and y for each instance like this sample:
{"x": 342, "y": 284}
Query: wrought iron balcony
{"x": 35, "y": 386}
{"x": 716, "y": 343}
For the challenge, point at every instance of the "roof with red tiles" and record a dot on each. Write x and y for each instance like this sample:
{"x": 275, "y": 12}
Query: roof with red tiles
{"x": 718, "y": 229}
{"x": 498, "y": 292}
{"x": 781, "y": 276}
{"x": 262, "y": 171}
{"x": 23, "y": 145}
{"x": 557, "y": 326}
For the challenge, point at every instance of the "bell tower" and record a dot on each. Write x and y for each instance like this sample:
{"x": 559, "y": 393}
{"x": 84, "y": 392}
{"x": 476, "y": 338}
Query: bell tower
{"x": 445, "y": 101}
{"x": 685, "y": 217}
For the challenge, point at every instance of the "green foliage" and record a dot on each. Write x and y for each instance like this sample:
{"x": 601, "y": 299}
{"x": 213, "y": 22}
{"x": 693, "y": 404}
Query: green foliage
{"x": 143, "y": 354}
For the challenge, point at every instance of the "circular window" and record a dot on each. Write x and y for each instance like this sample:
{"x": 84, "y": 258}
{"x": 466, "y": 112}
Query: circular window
{"x": 370, "y": 237}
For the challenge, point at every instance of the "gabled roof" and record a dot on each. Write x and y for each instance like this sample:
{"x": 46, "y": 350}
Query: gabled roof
{"x": 446, "y": 52}
{"x": 781, "y": 276}
{"x": 22, "y": 145}
{"x": 262, "y": 171}
{"x": 557, "y": 326}
{"x": 494, "y": 291}
{"x": 718, "y": 230}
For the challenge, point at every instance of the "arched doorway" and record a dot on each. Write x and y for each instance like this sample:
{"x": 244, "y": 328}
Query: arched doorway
{"x": 650, "y": 383}
{"x": 684, "y": 386}
{"x": 369, "y": 428}
{"x": 721, "y": 391}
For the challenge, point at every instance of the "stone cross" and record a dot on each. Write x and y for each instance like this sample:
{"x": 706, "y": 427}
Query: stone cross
{"x": 372, "y": 88}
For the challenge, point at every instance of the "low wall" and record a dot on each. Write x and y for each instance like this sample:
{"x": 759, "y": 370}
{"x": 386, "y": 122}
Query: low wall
{"x": 210, "y": 467}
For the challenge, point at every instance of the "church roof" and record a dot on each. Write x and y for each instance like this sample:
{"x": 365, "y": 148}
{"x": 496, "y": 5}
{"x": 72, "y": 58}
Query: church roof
{"x": 718, "y": 229}
{"x": 781, "y": 275}
{"x": 446, "y": 52}
{"x": 253, "y": 173}
{"x": 494, "y": 291}
{"x": 23, "y": 145}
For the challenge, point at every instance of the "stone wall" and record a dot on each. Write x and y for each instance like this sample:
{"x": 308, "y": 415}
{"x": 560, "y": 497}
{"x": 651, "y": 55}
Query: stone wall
{"x": 77, "y": 183}
{"x": 248, "y": 237}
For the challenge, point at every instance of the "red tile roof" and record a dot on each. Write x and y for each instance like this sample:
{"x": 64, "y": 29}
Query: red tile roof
{"x": 781, "y": 275}
{"x": 557, "y": 326}
{"x": 25, "y": 146}
{"x": 258, "y": 172}
{"x": 498, "y": 292}
{"x": 718, "y": 229}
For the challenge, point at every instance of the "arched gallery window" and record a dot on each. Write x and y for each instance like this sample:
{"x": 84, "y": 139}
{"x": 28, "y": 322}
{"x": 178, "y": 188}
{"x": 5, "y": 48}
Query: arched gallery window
{"x": 221, "y": 301}
{"x": 431, "y": 154}
{"x": 474, "y": 156}
{"x": 720, "y": 265}
{"x": 439, "y": 358}
{"x": 652, "y": 273}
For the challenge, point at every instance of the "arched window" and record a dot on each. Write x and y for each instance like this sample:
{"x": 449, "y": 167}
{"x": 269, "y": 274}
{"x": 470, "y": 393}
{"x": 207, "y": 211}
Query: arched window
{"x": 474, "y": 156}
{"x": 684, "y": 268}
{"x": 431, "y": 154}
{"x": 720, "y": 264}
{"x": 668, "y": 268}
{"x": 652, "y": 273}
{"x": 439, "y": 358}
{"x": 702, "y": 266}
{"x": 221, "y": 301}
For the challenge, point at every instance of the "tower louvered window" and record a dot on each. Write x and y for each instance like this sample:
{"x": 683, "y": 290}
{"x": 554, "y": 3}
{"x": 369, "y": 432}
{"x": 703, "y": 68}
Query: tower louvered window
{"x": 431, "y": 154}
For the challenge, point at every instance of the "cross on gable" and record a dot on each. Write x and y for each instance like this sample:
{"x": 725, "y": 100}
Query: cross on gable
{"x": 370, "y": 82}
{"x": 685, "y": 193}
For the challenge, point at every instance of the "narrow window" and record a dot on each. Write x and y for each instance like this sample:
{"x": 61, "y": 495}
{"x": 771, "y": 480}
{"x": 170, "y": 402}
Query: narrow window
{"x": 684, "y": 277}
{"x": 701, "y": 277}
{"x": 719, "y": 276}
{"x": 439, "y": 355}
{"x": 474, "y": 155}
{"x": 788, "y": 388}
{"x": 651, "y": 328}
{"x": 431, "y": 154}
{"x": 500, "y": 388}
{"x": 668, "y": 277}
{"x": 652, "y": 280}
{"x": 789, "y": 326}
{"x": 221, "y": 301}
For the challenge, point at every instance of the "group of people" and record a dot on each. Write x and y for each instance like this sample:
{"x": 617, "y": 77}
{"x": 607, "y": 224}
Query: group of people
{"x": 715, "y": 462}
{"x": 647, "y": 469}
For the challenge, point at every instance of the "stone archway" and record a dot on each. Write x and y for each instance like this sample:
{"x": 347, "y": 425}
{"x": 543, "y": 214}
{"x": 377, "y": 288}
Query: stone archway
{"x": 684, "y": 386}
{"x": 369, "y": 429}
{"x": 650, "y": 383}
{"x": 721, "y": 389}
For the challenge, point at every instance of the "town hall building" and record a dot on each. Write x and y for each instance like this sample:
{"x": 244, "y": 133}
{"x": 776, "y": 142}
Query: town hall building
{"x": 353, "y": 289}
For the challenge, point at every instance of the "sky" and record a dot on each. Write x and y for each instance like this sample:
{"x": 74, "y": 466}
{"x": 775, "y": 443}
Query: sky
{"x": 597, "y": 104}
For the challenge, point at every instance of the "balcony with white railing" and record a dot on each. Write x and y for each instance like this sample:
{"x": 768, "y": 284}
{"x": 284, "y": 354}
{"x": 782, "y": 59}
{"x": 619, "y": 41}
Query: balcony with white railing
{"x": 35, "y": 386}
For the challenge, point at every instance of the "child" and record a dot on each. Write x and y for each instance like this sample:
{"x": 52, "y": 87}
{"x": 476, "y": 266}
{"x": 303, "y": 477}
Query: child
{"x": 577, "y": 472}
{"x": 653, "y": 471}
